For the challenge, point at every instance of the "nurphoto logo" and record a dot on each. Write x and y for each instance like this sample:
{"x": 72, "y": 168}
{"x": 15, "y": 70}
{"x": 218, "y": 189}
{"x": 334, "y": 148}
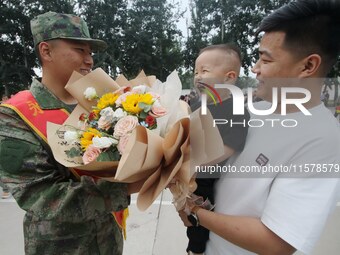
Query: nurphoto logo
{"x": 239, "y": 100}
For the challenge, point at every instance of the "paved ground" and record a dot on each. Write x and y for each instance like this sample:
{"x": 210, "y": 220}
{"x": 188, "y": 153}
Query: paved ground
{"x": 157, "y": 231}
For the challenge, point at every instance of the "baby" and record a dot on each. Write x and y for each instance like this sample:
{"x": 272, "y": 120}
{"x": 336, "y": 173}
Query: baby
{"x": 217, "y": 64}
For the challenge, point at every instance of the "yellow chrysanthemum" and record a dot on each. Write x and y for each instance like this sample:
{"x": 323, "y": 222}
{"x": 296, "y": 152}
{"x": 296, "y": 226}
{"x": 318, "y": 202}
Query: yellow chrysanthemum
{"x": 107, "y": 100}
{"x": 146, "y": 98}
{"x": 131, "y": 102}
{"x": 86, "y": 139}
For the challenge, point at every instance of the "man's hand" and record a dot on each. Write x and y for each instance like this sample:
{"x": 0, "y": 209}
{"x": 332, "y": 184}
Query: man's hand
{"x": 184, "y": 218}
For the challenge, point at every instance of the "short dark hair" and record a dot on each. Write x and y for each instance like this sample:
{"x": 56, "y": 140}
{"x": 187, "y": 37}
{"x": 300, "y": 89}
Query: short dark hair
{"x": 230, "y": 49}
{"x": 227, "y": 47}
{"x": 310, "y": 27}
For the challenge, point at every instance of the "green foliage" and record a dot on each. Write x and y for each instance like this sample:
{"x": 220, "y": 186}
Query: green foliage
{"x": 227, "y": 21}
{"x": 152, "y": 41}
{"x": 187, "y": 79}
{"x": 144, "y": 106}
{"x": 199, "y": 31}
{"x": 109, "y": 156}
{"x": 106, "y": 20}
{"x": 245, "y": 82}
{"x": 17, "y": 56}
{"x": 73, "y": 152}
{"x": 141, "y": 34}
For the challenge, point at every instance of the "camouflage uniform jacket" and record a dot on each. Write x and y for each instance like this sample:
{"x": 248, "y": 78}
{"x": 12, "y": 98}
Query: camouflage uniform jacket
{"x": 63, "y": 215}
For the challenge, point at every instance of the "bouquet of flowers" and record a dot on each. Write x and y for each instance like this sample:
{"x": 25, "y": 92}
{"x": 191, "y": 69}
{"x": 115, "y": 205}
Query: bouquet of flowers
{"x": 103, "y": 133}
{"x": 120, "y": 131}
{"x": 132, "y": 131}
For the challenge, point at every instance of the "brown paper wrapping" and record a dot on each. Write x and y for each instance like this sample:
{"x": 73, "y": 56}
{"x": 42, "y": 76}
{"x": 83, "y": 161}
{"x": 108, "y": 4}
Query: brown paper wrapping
{"x": 147, "y": 156}
{"x": 141, "y": 79}
{"x": 98, "y": 79}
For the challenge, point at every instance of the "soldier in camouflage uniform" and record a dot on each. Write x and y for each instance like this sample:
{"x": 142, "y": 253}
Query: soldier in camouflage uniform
{"x": 64, "y": 215}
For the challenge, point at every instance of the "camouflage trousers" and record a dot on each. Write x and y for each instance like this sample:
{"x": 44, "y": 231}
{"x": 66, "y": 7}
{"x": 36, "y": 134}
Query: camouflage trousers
{"x": 100, "y": 236}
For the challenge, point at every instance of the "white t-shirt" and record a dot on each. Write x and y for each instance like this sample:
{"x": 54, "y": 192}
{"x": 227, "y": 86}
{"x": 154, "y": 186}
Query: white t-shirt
{"x": 295, "y": 207}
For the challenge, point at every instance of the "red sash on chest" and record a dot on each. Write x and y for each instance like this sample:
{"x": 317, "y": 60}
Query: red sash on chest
{"x": 25, "y": 105}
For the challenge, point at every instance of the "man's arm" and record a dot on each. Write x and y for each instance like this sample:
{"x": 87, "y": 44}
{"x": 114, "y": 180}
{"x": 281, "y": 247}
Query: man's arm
{"x": 247, "y": 232}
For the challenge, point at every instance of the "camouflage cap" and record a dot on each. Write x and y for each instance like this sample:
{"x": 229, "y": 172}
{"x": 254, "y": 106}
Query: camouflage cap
{"x": 52, "y": 25}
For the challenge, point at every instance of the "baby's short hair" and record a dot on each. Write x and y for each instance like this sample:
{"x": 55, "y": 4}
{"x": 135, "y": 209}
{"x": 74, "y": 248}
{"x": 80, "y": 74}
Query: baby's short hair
{"x": 229, "y": 49}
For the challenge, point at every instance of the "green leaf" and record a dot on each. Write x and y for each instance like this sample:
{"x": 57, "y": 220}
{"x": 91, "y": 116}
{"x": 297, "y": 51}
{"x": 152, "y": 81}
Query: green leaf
{"x": 143, "y": 115}
{"x": 73, "y": 152}
{"x": 109, "y": 156}
{"x": 144, "y": 106}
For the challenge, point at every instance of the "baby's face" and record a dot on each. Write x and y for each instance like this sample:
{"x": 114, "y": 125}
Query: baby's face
{"x": 210, "y": 67}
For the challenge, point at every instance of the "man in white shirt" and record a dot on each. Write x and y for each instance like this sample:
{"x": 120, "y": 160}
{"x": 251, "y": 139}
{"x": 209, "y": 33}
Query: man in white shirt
{"x": 284, "y": 209}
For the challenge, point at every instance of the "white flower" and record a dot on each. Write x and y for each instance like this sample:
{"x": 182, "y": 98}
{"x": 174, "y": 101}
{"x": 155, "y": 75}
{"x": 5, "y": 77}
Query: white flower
{"x": 103, "y": 142}
{"x": 140, "y": 89}
{"x": 90, "y": 93}
{"x": 71, "y": 136}
{"x": 119, "y": 113}
{"x": 107, "y": 112}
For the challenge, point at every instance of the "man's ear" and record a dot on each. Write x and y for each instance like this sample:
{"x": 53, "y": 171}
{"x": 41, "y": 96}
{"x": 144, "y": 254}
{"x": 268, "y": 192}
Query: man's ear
{"x": 311, "y": 65}
{"x": 230, "y": 77}
{"x": 45, "y": 51}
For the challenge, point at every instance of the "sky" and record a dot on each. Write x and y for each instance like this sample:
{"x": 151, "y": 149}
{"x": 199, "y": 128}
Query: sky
{"x": 184, "y": 5}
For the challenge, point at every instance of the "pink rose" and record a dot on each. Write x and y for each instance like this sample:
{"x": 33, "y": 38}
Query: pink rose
{"x": 104, "y": 123}
{"x": 125, "y": 125}
{"x": 122, "y": 143}
{"x": 91, "y": 154}
{"x": 122, "y": 98}
{"x": 157, "y": 110}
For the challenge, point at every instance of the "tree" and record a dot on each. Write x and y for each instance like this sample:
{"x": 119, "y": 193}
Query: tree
{"x": 16, "y": 59}
{"x": 199, "y": 30}
{"x": 142, "y": 37}
{"x": 17, "y": 56}
{"x": 240, "y": 20}
{"x": 246, "y": 82}
{"x": 333, "y": 80}
{"x": 152, "y": 41}
{"x": 106, "y": 20}
{"x": 232, "y": 21}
